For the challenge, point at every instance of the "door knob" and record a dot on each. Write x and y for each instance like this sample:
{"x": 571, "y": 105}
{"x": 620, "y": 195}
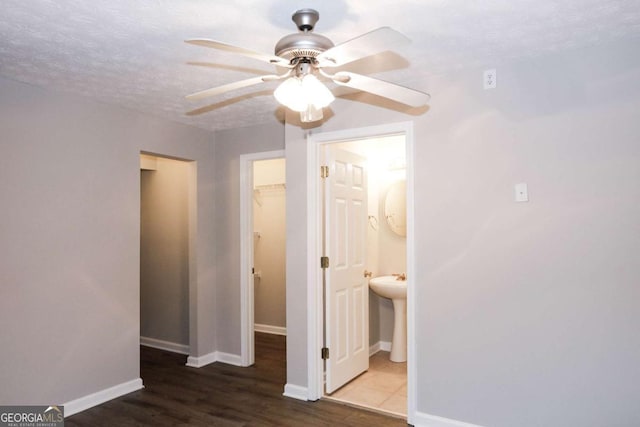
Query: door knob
{"x": 368, "y": 273}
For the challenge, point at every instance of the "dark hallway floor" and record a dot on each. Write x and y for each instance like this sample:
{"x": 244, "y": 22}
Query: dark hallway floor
{"x": 221, "y": 395}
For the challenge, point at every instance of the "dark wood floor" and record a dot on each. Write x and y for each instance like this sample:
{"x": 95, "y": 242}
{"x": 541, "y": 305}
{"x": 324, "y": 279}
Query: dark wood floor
{"x": 221, "y": 395}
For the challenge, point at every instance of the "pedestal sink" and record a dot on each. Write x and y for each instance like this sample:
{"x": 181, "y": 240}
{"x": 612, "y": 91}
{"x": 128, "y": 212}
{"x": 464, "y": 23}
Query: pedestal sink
{"x": 396, "y": 290}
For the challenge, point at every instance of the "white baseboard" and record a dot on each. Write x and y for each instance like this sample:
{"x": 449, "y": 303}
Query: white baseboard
{"x": 231, "y": 359}
{"x": 420, "y": 419}
{"x": 164, "y": 345}
{"x": 200, "y": 361}
{"x": 296, "y": 392}
{"x": 268, "y": 329}
{"x": 379, "y": 346}
{"x": 216, "y": 356}
{"x": 102, "y": 396}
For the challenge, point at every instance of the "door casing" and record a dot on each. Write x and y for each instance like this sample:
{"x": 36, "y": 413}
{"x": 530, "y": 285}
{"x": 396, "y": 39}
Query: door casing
{"x": 315, "y": 374}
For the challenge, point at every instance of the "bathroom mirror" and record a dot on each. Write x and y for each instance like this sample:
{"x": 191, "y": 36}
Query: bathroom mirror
{"x": 395, "y": 207}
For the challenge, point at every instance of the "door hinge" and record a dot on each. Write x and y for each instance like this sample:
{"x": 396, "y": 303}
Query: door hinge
{"x": 324, "y": 171}
{"x": 324, "y": 353}
{"x": 324, "y": 262}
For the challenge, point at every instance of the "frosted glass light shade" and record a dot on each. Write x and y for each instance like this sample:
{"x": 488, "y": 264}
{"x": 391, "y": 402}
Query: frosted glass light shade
{"x": 311, "y": 114}
{"x": 315, "y": 92}
{"x": 288, "y": 94}
{"x": 304, "y": 94}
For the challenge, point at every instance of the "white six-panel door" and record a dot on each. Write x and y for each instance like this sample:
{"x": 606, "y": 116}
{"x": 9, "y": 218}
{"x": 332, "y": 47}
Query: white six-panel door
{"x": 347, "y": 290}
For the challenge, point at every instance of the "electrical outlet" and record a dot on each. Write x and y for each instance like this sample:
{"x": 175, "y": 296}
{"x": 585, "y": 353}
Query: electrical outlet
{"x": 489, "y": 79}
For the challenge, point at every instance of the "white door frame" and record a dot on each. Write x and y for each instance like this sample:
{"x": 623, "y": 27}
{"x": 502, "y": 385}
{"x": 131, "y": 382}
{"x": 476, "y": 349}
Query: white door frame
{"x": 314, "y": 251}
{"x": 247, "y": 344}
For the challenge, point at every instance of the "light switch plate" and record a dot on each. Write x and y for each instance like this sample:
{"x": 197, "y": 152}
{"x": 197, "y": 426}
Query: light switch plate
{"x": 522, "y": 193}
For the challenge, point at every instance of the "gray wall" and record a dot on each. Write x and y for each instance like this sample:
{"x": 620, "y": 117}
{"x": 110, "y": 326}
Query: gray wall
{"x": 526, "y": 314}
{"x": 164, "y": 252}
{"x": 230, "y": 145}
{"x": 296, "y": 247}
{"x": 70, "y": 241}
{"x": 529, "y": 313}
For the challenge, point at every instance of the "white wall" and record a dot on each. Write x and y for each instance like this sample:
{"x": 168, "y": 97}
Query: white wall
{"x": 269, "y": 215}
{"x": 392, "y": 247}
{"x": 392, "y": 252}
{"x": 70, "y": 241}
{"x": 526, "y": 314}
{"x": 164, "y": 252}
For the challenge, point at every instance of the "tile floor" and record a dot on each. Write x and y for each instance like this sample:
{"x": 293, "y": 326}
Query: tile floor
{"x": 383, "y": 387}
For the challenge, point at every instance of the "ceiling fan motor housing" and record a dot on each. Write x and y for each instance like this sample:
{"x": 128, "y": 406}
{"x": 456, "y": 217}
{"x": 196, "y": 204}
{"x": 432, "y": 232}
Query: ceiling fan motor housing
{"x": 304, "y": 44}
{"x": 305, "y": 19}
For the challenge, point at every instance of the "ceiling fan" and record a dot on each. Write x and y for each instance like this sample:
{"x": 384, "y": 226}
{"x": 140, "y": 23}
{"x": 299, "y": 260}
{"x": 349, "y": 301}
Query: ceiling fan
{"x": 306, "y": 55}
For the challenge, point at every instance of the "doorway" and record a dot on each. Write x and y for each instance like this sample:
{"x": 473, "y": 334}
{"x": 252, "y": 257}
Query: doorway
{"x": 316, "y": 321}
{"x": 263, "y": 260}
{"x": 167, "y": 205}
{"x": 269, "y": 232}
{"x": 375, "y": 245}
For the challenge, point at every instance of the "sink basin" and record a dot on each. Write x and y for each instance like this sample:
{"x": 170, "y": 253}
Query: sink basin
{"x": 389, "y": 287}
{"x": 396, "y": 290}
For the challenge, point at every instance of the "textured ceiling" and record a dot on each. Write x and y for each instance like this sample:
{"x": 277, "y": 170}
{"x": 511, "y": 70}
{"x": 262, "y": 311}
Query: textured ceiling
{"x": 132, "y": 53}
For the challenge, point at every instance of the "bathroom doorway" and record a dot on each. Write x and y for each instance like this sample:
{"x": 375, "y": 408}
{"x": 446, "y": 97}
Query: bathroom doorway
{"x": 167, "y": 203}
{"x": 401, "y": 260}
{"x": 263, "y": 257}
{"x": 378, "y": 382}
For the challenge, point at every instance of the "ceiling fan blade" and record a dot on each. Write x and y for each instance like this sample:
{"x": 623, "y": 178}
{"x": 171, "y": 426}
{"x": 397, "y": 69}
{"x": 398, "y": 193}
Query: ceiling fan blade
{"x": 235, "y": 85}
{"x": 272, "y": 59}
{"x": 404, "y": 95}
{"x": 367, "y": 44}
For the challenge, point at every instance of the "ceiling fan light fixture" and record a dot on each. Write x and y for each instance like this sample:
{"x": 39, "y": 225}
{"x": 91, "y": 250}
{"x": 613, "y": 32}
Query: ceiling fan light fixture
{"x": 306, "y": 95}
{"x": 305, "y": 55}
